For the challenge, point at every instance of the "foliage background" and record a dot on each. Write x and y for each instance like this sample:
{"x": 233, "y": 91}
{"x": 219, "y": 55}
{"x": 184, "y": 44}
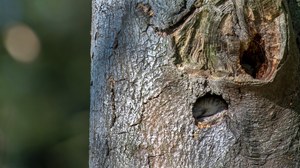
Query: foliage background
{"x": 44, "y": 104}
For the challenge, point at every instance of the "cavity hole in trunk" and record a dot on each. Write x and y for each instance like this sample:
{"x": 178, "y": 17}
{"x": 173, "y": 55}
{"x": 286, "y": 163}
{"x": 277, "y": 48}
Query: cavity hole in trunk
{"x": 208, "y": 106}
{"x": 253, "y": 58}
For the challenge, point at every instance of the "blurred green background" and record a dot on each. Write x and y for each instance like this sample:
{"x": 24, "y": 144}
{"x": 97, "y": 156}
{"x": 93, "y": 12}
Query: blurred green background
{"x": 44, "y": 83}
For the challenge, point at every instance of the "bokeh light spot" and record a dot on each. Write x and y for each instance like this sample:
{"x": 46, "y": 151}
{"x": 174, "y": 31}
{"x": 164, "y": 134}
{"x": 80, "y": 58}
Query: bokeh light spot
{"x": 22, "y": 43}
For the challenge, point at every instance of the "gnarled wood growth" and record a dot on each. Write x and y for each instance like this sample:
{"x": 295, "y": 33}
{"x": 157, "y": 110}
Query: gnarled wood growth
{"x": 193, "y": 83}
{"x": 231, "y": 43}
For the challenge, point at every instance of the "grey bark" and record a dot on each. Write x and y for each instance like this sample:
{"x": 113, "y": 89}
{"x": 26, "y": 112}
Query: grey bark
{"x": 193, "y": 83}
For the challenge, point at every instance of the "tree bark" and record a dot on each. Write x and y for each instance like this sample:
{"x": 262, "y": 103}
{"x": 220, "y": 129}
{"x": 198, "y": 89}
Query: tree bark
{"x": 193, "y": 83}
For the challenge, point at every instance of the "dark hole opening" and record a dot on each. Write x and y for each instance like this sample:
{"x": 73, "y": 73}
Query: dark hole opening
{"x": 208, "y": 106}
{"x": 253, "y": 57}
{"x": 298, "y": 41}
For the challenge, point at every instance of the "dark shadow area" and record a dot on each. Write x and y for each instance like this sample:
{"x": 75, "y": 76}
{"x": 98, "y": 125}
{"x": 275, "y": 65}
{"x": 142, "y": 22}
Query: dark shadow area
{"x": 253, "y": 57}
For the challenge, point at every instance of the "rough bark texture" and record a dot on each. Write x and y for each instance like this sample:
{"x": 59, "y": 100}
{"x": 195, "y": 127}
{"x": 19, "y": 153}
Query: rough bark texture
{"x": 193, "y": 83}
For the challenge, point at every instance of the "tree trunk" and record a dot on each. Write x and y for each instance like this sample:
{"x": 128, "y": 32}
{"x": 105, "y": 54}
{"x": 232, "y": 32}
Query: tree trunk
{"x": 193, "y": 83}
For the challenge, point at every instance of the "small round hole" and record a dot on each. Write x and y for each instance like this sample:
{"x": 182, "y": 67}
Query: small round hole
{"x": 208, "y": 106}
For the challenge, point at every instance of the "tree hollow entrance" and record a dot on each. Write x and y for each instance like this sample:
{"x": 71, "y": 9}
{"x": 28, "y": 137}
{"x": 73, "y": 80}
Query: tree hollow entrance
{"x": 253, "y": 58}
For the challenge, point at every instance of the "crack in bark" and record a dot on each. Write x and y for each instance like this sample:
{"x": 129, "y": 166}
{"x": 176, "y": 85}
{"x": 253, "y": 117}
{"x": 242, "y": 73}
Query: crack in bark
{"x": 158, "y": 94}
{"x": 123, "y": 132}
{"x": 113, "y": 102}
{"x": 139, "y": 121}
{"x": 108, "y": 151}
{"x": 116, "y": 40}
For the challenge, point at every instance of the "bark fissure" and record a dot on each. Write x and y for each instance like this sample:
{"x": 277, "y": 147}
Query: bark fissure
{"x": 113, "y": 101}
